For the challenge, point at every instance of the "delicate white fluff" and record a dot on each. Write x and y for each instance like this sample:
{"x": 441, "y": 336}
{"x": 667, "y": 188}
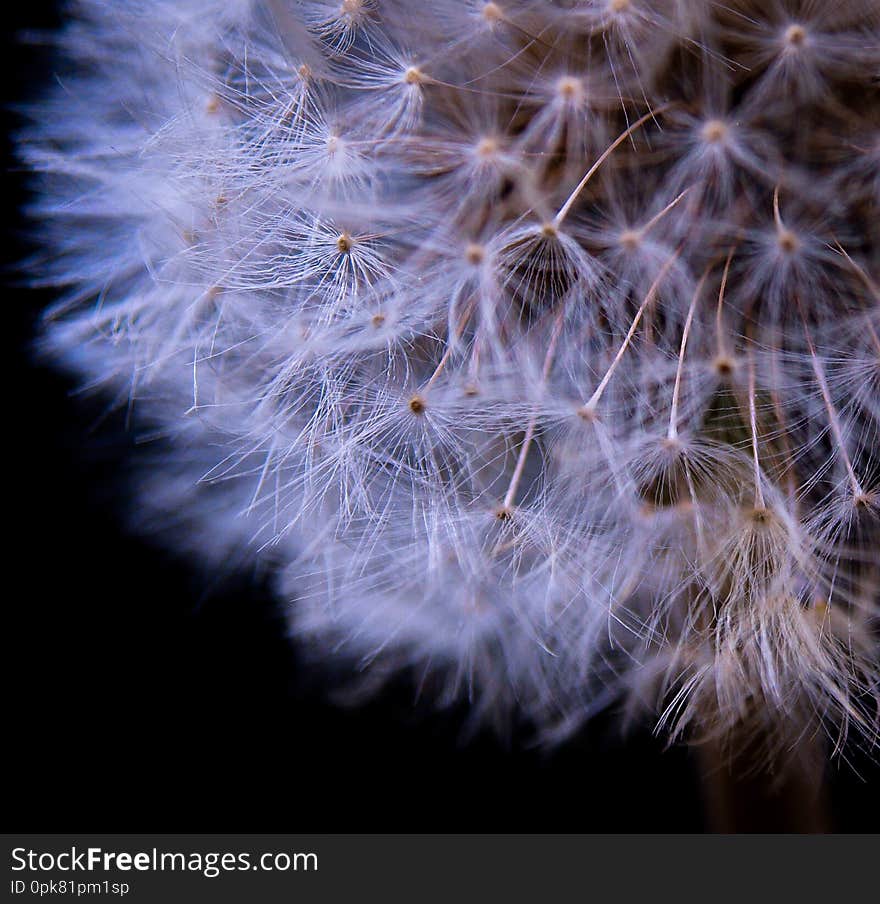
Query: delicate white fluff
{"x": 533, "y": 345}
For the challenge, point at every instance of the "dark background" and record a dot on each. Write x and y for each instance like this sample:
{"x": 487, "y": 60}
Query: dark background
{"x": 145, "y": 695}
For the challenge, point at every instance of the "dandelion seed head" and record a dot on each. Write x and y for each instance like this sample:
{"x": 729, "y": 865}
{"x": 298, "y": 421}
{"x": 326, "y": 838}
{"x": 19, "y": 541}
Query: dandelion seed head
{"x": 532, "y": 346}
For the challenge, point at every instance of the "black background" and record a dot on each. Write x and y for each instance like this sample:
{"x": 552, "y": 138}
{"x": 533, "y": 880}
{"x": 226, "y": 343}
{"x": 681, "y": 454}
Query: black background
{"x": 146, "y": 695}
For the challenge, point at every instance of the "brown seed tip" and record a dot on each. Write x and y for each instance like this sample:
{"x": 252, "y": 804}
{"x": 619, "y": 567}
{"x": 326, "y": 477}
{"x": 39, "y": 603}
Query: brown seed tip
{"x": 413, "y": 76}
{"x": 619, "y": 6}
{"x": 213, "y": 104}
{"x": 305, "y": 72}
{"x": 344, "y": 243}
{"x": 504, "y": 513}
{"x": 417, "y": 405}
{"x": 630, "y": 239}
{"x": 549, "y": 231}
{"x": 795, "y": 35}
{"x": 492, "y": 13}
{"x": 487, "y": 147}
{"x": 475, "y": 254}
{"x": 724, "y": 366}
{"x": 588, "y": 413}
{"x": 788, "y": 241}
{"x": 569, "y": 87}
{"x": 377, "y": 320}
{"x": 714, "y": 131}
{"x": 760, "y": 516}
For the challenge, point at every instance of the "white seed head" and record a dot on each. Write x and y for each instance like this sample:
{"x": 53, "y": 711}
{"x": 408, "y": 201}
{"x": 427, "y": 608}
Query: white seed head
{"x": 547, "y": 367}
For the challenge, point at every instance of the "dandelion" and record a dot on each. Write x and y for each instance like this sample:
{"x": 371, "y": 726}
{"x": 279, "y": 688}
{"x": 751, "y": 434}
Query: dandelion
{"x": 533, "y": 345}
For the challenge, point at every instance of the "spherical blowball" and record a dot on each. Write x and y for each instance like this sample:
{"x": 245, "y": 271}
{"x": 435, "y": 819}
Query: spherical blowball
{"x": 534, "y": 346}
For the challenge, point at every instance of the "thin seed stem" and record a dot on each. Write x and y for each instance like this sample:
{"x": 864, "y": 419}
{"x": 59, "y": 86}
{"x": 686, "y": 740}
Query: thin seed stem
{"x": 510, "y": 495}
{"x": 783, "y": 431}
{"x": 643, "y": 230}
{"x": 676, "y": 389}
{"x": 833, "y": 417}
{"x": 753, "y": 427}
{"x": 870, "y": 285}
{"x": 566, "y": 207}
{"x": 719, "y": 314}
{"x": 590, "y": 405}
{"x": 776, "y": 215}
{"x": 465, "y": 317}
